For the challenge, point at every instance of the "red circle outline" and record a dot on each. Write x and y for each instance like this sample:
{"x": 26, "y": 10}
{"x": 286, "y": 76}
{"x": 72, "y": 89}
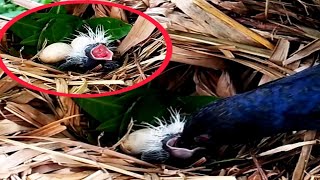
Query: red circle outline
{"x": 126, "y": 89}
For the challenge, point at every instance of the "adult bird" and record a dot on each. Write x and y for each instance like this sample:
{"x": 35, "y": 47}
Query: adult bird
{"x": 287, "y": 104}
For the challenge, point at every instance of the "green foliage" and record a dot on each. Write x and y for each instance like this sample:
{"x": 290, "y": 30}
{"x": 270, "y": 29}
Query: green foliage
{"x": 142, "y": 105}
{"x": 116, "y": 28}
{"x": 35, "y": 28}
{"x": 193, "y": 103}
{"x": 56, "y": 26}
{"x": 101, "y": 108}
{"x": 10, "y": 10}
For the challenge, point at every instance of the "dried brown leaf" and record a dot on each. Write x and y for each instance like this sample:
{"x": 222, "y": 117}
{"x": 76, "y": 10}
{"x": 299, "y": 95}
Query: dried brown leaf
{"x": 6, "y": 84}
{"x": 195, "y": 38}
{"x": 140, "y": 31}
{"x": 197, "y": 59}
{"x": 305, "y": 51}
{"x": 9, "y": 127}
{"x": 118, "y": 13}
{"x": 232, "y": 25}
{"x": 225, "y": 87}
{"x": 79, "y": 9}
{"x": 288, "y": 147}
{"x": 280, "y": 52}
{"x": 155, "y": 3}
{"x": 22, "y": 97}
{"x": 100, "y": 10}
{"x": 237, "y": 7}
{"x": 83, "y": 160}
{"x": 34, "y": 115}
{"x": 264, "y": 79}
{"x": 207, "y": 21}
{"x": 205, "y": 82}
{"x": 304, "y": 156}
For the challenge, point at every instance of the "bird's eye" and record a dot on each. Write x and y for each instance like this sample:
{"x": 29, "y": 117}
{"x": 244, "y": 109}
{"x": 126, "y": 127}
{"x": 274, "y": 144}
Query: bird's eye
{"x": 202, "y": 138}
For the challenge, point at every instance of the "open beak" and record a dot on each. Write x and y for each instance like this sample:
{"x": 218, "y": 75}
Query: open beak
{"x": 182, "y": 153}
{"x": 101, "y": 52}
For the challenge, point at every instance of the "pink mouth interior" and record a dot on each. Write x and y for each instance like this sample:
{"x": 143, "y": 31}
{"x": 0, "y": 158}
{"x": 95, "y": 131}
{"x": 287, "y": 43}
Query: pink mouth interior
{"x": 101, "y": 52}
{"x": 177, "y": 152}
{"x": 172, "y": 142}
{"x": 182, "y": 153}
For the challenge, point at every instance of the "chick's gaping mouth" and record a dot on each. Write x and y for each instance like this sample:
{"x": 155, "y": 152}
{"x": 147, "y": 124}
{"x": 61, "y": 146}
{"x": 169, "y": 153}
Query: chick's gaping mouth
{"x": 101, "y": 52}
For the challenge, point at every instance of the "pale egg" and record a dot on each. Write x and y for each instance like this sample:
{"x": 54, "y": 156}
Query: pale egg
{"x": 55, "y": 52}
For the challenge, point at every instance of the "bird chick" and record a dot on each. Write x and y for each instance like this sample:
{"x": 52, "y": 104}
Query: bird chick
{"x": 152, "y": 142}
{"x": 85, "y": 52}
{"x": 89, "y": 50}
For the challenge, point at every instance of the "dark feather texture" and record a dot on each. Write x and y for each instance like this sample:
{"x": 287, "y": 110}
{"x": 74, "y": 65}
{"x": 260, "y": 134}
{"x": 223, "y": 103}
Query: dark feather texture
{"x": 290, "y": 103}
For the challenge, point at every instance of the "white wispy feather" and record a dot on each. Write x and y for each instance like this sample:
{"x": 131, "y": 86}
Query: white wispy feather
{"x": 162, "y": 130}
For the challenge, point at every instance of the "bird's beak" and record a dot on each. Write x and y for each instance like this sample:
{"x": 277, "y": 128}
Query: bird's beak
{"x": 101, "y": 52}
{"x": 182, "y": 153}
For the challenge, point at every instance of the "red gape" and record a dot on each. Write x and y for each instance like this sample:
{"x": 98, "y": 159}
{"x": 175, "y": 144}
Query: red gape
{"x": 101, "y": 52}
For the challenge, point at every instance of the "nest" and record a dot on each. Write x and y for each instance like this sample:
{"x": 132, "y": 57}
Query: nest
{"x": 141, "y": 53}
{"x": 252, "y": 43}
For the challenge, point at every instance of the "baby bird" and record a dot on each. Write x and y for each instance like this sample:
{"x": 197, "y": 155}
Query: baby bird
{"x": 86, "y": 51}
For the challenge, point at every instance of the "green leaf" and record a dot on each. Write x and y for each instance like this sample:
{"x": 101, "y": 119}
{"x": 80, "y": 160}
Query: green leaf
{"x": 190, "y": 104}
{"x": 114, "y": 27}
{"x": 151, "y": 106}
{"x": 25, "y": 27}
{"x": 133, "y": 95}
{"x": 46, "y": 1}
{"x": 110, "y": 125}
{"x": 42, "y": 36}
{"x": 21, "y": 9}
{"x": 9, "y": 6}
{"x": 126, "y": 119}
{"x": 30, "y": 41}
{"x": 45, "y": 17}
{"x": 2, "y": 10}
{"x": 57, "y": 31}
{"x": 12, "y": 14}
{"x": 102, "y": 108}
{"x": 29, "y": 50}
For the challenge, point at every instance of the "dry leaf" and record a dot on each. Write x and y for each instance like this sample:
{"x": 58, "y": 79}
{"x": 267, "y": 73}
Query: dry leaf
{"x": 8, "y": 127}
{"x": 140, "y": 31}
{"x": 305, "y": 51}
{"x": 225, "y": 87}
{"x": 280, "y": 52}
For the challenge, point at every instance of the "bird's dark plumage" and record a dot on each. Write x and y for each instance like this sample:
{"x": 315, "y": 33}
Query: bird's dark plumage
{"x": 290, "y": 103}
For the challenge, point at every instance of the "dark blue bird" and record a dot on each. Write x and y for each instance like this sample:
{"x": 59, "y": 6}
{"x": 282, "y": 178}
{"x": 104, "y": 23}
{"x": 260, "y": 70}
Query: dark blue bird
{"x": 287, "y": 104}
